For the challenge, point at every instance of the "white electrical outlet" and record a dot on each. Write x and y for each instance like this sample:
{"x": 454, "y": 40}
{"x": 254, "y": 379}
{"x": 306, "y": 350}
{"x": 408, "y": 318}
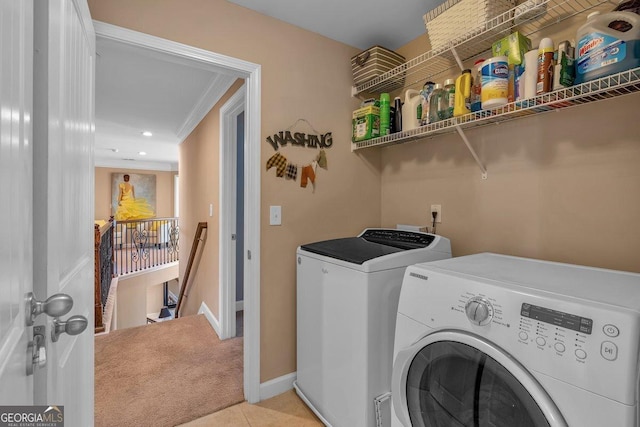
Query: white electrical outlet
{"x": 275, "y": 215}
{"x": 438, "y": 210}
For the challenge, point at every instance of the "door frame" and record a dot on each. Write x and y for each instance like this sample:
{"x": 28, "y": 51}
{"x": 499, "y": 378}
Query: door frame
{"x": 252, "y": 74}
{"x": 227, "y": 252}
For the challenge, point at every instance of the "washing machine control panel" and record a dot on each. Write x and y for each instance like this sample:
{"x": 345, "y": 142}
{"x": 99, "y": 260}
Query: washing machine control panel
{"x": 557, "y": 318}
{"x": 398, "y": 238}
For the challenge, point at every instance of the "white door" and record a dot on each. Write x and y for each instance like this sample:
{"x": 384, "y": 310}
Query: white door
{"x": 16, "y": 82}
{"x": 50, "y": 183}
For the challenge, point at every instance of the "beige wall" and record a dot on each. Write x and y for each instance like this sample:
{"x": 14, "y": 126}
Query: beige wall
{"x": 561, "y": 186}
{"x": 132, "y": 303}
{"x": 164, "y": 191}
{"x": 200, "y": 187}
{"x": 304, "y": 75}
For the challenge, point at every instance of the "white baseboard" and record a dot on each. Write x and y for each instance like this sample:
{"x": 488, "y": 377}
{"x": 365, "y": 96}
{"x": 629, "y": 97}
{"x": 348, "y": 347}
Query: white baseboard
{"x": 277, "y": 386}
{"x": 210, "y": 317}
{"x": 239, "y": 305}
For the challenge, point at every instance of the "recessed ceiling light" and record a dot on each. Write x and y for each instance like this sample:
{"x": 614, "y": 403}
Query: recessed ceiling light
{"x": 147, "y": 133}
{"x": 115, "y": 150}
{"x": 142, "y": 153}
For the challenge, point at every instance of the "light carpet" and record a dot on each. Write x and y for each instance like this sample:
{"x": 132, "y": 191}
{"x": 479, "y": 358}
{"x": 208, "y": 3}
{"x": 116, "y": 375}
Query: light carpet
{"x": 165, "y": 374}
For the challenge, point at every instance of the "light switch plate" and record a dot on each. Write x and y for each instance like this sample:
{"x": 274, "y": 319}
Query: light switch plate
{"x": 275, "y": 215}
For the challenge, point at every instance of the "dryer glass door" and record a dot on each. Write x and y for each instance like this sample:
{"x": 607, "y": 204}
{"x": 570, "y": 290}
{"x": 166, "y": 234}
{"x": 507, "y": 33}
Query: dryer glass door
{"x": 450, "y": 384}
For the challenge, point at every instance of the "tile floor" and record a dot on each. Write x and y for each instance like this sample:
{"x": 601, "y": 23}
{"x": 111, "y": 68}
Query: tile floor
{"x": 283, "y": 410}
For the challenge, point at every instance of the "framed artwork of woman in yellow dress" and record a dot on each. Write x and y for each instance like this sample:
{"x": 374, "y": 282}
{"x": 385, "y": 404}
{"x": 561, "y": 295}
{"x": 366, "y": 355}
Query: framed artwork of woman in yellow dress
{"x": 133, "y": 196}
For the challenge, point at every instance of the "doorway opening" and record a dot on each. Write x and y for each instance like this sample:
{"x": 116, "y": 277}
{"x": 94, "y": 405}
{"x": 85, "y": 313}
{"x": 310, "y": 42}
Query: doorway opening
{"x": 251, "y": 73}
{"x": 232, "y": 212}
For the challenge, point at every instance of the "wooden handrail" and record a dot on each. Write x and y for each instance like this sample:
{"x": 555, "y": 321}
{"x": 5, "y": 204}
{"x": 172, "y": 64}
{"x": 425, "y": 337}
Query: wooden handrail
{"x": 194, "y": 249}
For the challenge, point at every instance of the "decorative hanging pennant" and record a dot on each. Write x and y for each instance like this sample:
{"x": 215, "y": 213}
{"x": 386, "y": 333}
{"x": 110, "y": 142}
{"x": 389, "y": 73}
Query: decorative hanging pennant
{"x": 280, "y": 163}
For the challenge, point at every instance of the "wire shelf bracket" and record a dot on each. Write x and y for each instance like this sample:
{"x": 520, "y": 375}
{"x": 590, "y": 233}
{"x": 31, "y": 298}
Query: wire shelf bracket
{"x": 472, "y": 151}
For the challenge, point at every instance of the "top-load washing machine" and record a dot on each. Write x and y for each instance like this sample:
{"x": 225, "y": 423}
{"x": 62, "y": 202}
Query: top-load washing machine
{"x": 347, "y": 301}
{"x": 499, "y": 341}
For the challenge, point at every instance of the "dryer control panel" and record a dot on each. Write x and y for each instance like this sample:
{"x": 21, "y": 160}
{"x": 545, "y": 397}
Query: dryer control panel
{"x": 565, "y": 333}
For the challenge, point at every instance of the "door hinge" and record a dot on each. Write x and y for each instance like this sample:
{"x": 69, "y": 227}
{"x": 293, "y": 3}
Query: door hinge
{"x": 249, "y": 255}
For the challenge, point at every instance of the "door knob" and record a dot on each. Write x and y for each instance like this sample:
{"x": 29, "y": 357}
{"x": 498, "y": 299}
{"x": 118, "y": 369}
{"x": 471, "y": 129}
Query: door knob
{"x": 55, "y": 306}
{"x": 74, "y": 325}
{"x": 36, "y": 350}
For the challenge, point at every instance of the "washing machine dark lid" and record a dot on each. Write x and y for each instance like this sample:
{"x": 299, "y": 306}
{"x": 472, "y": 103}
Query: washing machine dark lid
{"x": 371, "y": 244}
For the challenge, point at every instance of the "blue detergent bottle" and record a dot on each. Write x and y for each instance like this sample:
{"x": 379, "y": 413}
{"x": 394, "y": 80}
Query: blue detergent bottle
{"x": 608, "y": 43}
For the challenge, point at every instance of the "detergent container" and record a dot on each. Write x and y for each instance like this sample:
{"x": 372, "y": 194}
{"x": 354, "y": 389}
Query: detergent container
{"x": 462, "y": 100}
{"x": 410, "y": 117}
{"x": 608, "y": 43}
{"x": 495, "y": 82}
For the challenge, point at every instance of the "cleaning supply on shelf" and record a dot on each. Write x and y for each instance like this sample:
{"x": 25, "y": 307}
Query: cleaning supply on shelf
{"x": 607, "y": 43}
{"x": 365, "y": 123}
{"x": 513, "y": 46}
{"x": 476, "y": 100}
{"x": 397, "y": 116}
{"x": 392, "y": 124}
{"x": 568, "y": 69}
{"x": 436, "y": 103}
{"x": 385, "y": 114}
{"x": 545, "y": 66}
{"x": 427, "y": 90}
{"x": 412, "y": 102}
{"x": 449, "y": 99}
{"x": 530, "y": 73}
{"x": 564, "y": 70}
{"x": 462, "y": 102}
{"x": 495, "y": 82}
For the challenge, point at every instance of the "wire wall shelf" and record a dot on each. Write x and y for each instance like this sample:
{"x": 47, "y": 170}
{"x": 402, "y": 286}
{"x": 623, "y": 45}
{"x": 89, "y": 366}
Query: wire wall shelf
{"x": 596, "y": 90}
{"x": 476, "y": 41}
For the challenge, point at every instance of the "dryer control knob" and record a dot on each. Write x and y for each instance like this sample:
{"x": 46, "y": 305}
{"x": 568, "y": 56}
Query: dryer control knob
{"x": 479, "y": 311}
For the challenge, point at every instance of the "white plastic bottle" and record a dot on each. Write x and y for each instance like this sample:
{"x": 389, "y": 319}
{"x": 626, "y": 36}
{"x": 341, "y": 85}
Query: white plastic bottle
{"x": 410, "y": 119}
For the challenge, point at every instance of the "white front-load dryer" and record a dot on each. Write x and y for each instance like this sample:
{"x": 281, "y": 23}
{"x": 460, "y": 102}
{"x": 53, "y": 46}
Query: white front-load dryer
{"x": 347, "y": 302}
{"x": 496, "y": 341}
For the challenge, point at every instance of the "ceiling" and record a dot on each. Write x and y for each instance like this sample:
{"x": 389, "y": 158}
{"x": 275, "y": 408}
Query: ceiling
{"x": 140, "y": 89}
{"x": 358, "y": 23}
